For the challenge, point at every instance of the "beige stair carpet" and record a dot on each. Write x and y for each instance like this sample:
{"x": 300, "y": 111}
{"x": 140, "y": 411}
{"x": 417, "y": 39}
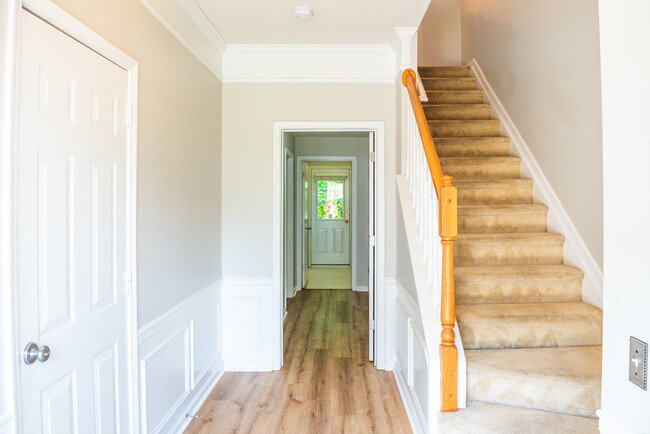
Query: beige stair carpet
{"x": 533, "y": 348}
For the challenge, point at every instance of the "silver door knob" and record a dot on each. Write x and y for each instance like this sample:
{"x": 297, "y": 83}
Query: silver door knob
{"x": 33, "y": 352}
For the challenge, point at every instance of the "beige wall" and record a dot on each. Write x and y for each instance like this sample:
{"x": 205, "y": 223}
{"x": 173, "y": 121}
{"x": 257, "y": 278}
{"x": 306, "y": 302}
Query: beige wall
{"x": 625, "y": 51}
{"x": 249, "y": 110}
{"x": 179, "y": 135}
{"x": 439, "y": 34}
{"x": 542, "y": 59}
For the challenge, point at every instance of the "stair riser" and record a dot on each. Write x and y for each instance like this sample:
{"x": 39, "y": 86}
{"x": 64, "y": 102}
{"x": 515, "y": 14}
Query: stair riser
{"x": 494, "y": 196}
{"x": 491, "y": 335}
{"x": 551, "y": 397}
{"x": 441, "y": 71}
{"x": 473, "y": 150}
{"x": 507, "y": 254}
{"x": 453, "y": 97}
{"x": 456, "y": 83}
{"x": 433, "y": 113}
{"x": 519, "y": 291}
{"x": 484, "y": 171}
{"x": 501, "y": 223}
{"x": 488, "y": 128}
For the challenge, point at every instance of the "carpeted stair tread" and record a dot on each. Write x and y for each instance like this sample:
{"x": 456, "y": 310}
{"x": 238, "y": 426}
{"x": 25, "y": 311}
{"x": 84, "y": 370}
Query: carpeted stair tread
{"x": 517, "y": 284}
{"x": 474, "y": 96}
{"x": 457, "y": 111}
{"x": 472, "y": 146}
{"x": 509, "y": 218}
{"x": 500, "y": 239}
{"x": 516, "y": 272}
{"x": 487, "y": 418}
{"x": 448, "y": 83}
{"x": 520, "y": 325}
{"x": 562, "y": 379}
{"x": 494, "y": 191}
{"x": 524, "y": 208}
{"x": 443, "y": 71}
{"x": 482, "y": 167}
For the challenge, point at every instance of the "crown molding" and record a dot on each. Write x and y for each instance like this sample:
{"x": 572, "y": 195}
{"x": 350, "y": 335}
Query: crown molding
{"x": 188, "y": 23}
{"x": 308, "y": 63}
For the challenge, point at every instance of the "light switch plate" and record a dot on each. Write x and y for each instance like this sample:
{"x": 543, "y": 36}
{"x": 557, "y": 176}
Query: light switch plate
{"x": 639, "y": 363}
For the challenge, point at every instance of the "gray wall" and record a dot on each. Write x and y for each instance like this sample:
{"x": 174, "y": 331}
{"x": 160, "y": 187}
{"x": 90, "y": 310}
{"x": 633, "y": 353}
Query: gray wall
{"x": 543, "y": 61}
{"x": 179, "y": 155}
{"x": 347, "y": 146}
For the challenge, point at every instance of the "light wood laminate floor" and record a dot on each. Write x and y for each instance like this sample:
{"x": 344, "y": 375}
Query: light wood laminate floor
{"x": 327, "y": 384}
{"x": 329, "y": 277}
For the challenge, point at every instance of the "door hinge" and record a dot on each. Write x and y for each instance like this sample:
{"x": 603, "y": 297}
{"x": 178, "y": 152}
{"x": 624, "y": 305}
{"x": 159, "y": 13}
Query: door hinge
{"x": 372, "y": 240}
{"x": 128, "y": 115}
{"x": 372, "y": 324}
{"x": 372, "y": 157}
{"x": 128, "y": 282}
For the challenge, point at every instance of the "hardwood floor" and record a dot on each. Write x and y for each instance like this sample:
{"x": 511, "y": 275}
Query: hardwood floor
{"x": 327, "y": 384}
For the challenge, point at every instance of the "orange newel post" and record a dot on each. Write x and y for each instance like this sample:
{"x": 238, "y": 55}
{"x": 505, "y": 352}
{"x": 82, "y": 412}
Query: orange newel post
{"x": 448, "y": 351}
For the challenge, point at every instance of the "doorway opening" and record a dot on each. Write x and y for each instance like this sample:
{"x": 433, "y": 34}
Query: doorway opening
{"x": 329, "y": 243}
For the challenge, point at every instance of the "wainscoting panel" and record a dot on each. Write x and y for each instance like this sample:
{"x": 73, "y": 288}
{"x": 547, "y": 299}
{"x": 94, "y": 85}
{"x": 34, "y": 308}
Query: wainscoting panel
{"x": 247, "y": 308}
{"x": 411, "y": 361}
{"x": 180, "y": 361}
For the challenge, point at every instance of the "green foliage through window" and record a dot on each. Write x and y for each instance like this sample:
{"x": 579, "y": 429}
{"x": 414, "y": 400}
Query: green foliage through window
{"x": 330, "y": 200}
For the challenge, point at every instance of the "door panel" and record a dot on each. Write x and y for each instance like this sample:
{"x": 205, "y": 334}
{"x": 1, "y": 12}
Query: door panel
{"x": 71, "y": 234}
{"x": 330, "y": 215}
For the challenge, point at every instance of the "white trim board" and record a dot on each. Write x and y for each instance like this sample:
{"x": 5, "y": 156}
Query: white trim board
{"x": 576, "y": 252}
{"x": 57, "y": 17}
{"x": 308, "y": 63}
{"x": 608, "y": 424}
{"x": 275, "y": 324}
{"x": 185, "y": 20}
{"x": 300, "y": 209}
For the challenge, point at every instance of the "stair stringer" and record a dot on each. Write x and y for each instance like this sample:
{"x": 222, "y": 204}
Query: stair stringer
{"x": 576, "y": 252}
{"x": 428, "y": 304}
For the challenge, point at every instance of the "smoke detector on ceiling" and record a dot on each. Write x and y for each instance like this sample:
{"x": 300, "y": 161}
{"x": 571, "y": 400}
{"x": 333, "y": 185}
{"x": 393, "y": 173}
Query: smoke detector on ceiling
{"x": 303, "y": 12}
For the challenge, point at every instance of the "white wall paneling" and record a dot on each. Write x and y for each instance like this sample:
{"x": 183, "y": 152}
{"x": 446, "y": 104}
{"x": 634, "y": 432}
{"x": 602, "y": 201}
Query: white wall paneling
{"x": 412, "y": 362}
{"x": 180, "y": 361}
{"x": 248, "y": 310}
{"x": 576, "y": 252}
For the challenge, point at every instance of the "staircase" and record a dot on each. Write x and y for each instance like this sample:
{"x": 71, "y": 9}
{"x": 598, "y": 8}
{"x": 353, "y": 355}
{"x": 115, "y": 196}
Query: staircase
{"x": 533, "y": 348}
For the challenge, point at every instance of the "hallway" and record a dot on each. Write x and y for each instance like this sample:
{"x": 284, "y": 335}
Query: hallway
{"x": 326, "y": 385}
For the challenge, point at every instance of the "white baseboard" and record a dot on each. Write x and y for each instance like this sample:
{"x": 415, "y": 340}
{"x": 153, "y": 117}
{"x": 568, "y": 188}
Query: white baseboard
{"x": 195, "y": 404}
{"x": 608, "y": 424}
{"x": 180, "y": 349}
{"x": 416, "y": 424}
{"x": 361, "y": 288}
{"x": 576, "y": 252}
{"x": 247, "y": 313}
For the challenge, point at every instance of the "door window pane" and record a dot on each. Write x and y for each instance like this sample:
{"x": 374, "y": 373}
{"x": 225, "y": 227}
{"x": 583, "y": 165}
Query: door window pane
{"x": 330, "y": 200}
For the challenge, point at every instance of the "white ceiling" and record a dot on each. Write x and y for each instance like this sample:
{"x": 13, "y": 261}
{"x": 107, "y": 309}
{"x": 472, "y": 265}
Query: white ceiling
{"x": 334, "y": 21}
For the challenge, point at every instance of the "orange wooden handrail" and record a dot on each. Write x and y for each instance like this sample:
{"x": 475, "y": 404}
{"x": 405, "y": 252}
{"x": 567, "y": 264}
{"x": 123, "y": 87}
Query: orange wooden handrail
{"x": 408, "y": 80}
{"x": 448, "y": 229}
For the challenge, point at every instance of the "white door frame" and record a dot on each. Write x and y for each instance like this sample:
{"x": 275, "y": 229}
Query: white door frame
{"x": 353, "y": 205}
{"x": 289, "y": 258}
{"x": 279, "y": 128}
{"x": 60, "y": 19}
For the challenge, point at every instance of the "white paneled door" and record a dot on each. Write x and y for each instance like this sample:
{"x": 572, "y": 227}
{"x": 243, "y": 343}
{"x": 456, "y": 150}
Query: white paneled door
{"x": 71, "y": 235}
{"x": 330, "y": 215}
